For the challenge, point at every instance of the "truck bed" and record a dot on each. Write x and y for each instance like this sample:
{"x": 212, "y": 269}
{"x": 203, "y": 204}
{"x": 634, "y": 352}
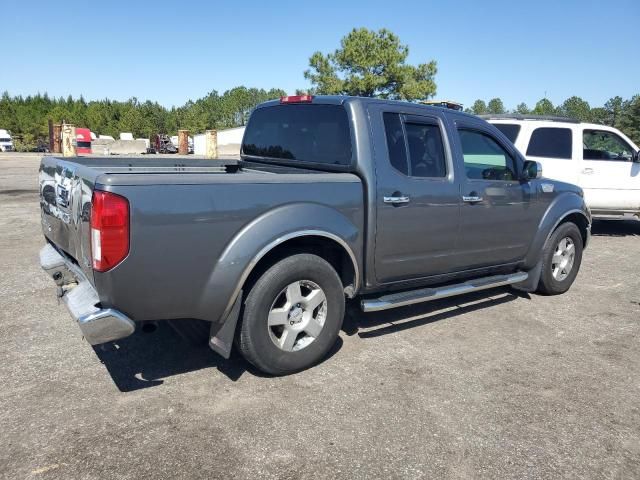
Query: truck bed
{"x": 184, "y": 215}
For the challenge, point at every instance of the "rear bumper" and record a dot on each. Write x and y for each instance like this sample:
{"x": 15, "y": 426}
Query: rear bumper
{"x": 98, "y": 325}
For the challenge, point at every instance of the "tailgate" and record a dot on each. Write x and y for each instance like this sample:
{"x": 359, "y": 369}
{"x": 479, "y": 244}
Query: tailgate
{"x": 65, "y": 204}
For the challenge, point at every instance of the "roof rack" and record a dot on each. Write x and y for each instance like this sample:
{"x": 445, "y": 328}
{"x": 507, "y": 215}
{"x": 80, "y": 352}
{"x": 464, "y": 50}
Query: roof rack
{"x": 519, "y": 116}
{"x": 450, "y": 104}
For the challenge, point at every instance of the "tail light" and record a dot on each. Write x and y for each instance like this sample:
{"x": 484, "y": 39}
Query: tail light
{"x": 109, "y": 230}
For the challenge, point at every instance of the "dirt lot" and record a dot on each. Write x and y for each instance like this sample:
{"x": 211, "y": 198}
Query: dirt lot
{"x": 484, "y": 386}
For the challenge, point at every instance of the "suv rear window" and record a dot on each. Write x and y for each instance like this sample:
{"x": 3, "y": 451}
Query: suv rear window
{"x": 509, "y": 130}
{"x": 550, "y": 142}
{"x": 307, "y": 133}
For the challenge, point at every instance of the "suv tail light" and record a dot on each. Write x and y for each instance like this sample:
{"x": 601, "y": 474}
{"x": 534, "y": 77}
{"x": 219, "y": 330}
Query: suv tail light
{"x": 109, "y": 230}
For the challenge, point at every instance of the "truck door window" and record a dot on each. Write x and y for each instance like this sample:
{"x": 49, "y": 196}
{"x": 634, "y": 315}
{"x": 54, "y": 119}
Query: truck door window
{"x": 426, "y": 152}
{"x": 484, "y": 157}
{"x": 423, "y": 141}
{"x": 395, "y": 142}
{"x": 550, "y": 142}
{"x": 603, "y": 145}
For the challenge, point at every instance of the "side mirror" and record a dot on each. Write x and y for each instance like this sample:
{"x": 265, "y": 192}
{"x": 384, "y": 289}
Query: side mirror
{"x": 531, "y": 170}
{"x": 636, "y": 157}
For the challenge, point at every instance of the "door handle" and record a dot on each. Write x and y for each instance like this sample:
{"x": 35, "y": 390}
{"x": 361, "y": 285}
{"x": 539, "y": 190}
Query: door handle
{"x": 588, "y": 171}
{"x": 471, "y": 198}
{"x": 395, "y": 200}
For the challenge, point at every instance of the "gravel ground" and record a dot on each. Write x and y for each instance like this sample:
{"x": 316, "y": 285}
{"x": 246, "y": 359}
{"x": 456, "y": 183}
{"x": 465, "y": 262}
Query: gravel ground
{"x": 491, "y": 385}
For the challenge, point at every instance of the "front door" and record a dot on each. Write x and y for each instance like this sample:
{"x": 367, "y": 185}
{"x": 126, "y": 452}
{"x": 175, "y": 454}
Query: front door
{"x": 498, "y": 217}
{"x": 608, "y": 176}
{"x": 417, "y": 195}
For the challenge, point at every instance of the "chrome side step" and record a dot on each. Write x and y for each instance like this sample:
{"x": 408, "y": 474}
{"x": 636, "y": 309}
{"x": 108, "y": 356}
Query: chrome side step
{"x": 402, "y": 299}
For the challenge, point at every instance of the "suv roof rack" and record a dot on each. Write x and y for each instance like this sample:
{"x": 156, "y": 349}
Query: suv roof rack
{"x": 518, "y": 116}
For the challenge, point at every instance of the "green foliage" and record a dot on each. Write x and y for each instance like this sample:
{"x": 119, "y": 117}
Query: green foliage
{"x": 495, "y": 106}
{"x": 522, "y": 109}
{"x": 24, "y": 143}
{"x": 614, "y": 110}
{"x": 629, "y": 119}
{"x": 479, "y": 107}
{"x": 371, "y": 64}
{"x": 599, "y": 115}
{"x": 575, "y": 107}
{"x": 544, "y": 107}
{"x": 27, "y": 117}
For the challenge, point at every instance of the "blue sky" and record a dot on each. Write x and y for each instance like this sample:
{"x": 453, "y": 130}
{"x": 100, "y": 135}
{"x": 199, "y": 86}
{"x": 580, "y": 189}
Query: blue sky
{"x": 172, "y": 51}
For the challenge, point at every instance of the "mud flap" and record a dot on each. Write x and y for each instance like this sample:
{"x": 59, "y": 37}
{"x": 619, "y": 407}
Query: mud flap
{"x": 531, "y": 283}
{"x": 221, "y": 335}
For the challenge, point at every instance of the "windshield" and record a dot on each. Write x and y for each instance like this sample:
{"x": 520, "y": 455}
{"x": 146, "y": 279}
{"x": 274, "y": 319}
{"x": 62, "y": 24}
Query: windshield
{"x": 5, "y": 139}
{"x": 302, "y": 132}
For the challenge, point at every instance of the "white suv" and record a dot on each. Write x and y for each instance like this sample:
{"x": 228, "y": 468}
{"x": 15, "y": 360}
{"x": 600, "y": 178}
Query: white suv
{"x": 600, "y": 159}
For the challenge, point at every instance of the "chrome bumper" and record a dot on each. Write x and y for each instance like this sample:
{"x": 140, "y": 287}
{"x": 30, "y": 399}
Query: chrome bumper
{"x": 98, "y": 325}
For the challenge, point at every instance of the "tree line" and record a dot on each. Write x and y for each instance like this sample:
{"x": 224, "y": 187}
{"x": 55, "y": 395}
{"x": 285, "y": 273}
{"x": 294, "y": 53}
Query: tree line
{"x": 27, "y": 117}
{"x": 616, "y": 112}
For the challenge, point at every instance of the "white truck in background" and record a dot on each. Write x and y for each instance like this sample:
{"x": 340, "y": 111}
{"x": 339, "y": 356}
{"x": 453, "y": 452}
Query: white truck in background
{"x": 601, "y": 160}
{"x": 6, "y": 142}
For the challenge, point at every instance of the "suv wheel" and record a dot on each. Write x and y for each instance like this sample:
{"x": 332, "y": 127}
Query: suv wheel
{"x": 561, "y": 258}
{"x": 292, "y": 315}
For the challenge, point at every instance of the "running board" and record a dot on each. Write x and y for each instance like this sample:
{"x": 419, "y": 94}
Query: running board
{"x": 402, "y": 299}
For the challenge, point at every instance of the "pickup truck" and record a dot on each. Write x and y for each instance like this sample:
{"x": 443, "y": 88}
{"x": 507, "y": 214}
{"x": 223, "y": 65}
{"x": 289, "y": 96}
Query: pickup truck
{"x": 333, "y": 198}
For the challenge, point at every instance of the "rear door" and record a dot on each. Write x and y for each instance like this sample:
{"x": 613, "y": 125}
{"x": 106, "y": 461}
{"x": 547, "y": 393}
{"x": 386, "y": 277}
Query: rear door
{"x": 555, "y": 148}
{"x": 417, "y": 194}
{"x": 609, "y": 177}
{"x": 497, "y": 216}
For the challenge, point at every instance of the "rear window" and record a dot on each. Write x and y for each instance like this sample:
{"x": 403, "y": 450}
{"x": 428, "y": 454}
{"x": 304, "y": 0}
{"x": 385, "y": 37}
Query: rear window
{"x": 509, "y": 130}
{"x": 550, "y": 142}
{"x": 307, "y": 133}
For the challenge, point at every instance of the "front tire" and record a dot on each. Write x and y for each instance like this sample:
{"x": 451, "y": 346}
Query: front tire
{"x": 292, "y": 315}
{"x": 561, "y": 259}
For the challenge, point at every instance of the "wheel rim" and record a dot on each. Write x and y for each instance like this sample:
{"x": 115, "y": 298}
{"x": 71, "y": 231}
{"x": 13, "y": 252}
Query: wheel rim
{"x": 297, "y": 316}
{"x": 563, "y": 259}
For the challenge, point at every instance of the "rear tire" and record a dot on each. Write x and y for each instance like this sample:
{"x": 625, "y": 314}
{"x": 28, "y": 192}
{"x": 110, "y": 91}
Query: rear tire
{"x": 292, "y": 315}
{"x": 561, "y": 259}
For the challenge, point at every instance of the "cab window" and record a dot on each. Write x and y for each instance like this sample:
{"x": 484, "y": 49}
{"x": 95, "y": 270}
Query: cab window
{"x": 426, "y": 152}
{"x": 485, "y": 158}
{"x": 415, "y": 148}
{"x": 395, "y": 142}
{"x": 603, "y": 145}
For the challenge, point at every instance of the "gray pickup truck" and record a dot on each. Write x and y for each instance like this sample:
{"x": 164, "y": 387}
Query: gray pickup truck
{"x": 392, "y": 203}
